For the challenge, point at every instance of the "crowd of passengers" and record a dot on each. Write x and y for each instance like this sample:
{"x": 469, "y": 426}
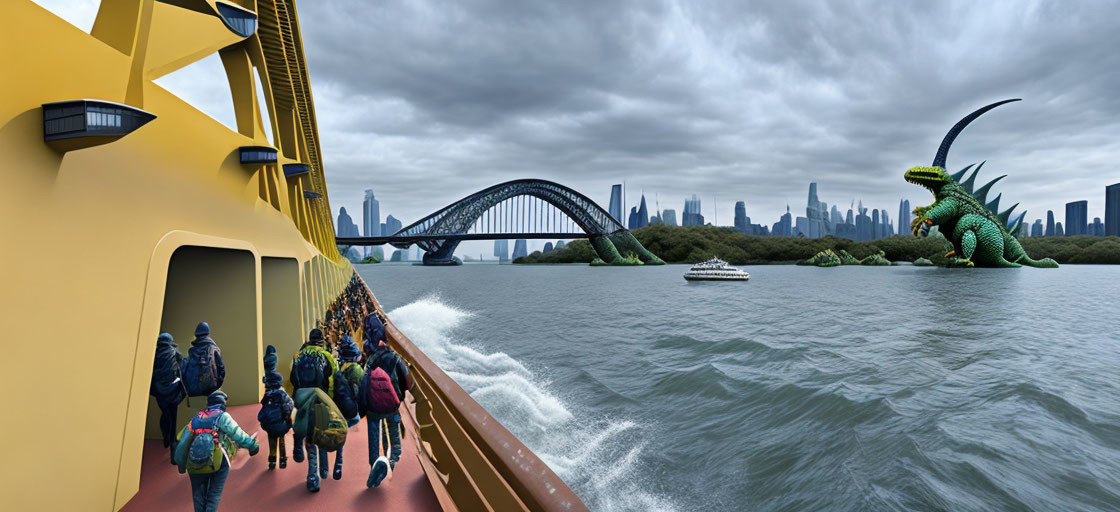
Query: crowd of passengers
{"x": 334, "y": 385}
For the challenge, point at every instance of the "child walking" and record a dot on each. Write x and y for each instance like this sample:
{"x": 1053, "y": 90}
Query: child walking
{"x": 275, "y": 415}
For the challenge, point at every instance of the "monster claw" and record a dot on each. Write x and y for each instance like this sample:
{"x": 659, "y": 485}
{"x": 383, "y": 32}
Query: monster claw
{"x": 930, "y": 222}
{"x": 950, "y": 253}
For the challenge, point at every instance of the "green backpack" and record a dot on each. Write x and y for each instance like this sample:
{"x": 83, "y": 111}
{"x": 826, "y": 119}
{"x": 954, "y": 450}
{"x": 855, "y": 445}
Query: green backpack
{"x": 208, "y": 446}
{"x": 353, "y": 373}
{"x": 319, "y": 420}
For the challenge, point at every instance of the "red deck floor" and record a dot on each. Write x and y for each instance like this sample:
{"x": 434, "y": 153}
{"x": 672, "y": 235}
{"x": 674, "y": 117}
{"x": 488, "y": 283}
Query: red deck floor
{"x": 251, "y": 486}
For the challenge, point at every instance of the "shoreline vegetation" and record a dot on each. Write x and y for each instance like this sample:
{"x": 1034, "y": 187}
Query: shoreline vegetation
{"x": 694, "y": 244}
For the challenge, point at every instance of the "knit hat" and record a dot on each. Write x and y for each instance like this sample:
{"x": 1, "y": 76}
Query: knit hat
{"x": 316, "y": 336}
{"x": 348, "y": 350}
{"x": 203, "y": 329}
{"x": 216, "y": 398}
{"x": 165, "y": 338}
{"x": 269, "y": 359}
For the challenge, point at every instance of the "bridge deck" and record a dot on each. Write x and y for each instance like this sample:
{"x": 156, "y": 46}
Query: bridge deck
{"x": 411, "y": 239}
{"x": 251, "y": 486}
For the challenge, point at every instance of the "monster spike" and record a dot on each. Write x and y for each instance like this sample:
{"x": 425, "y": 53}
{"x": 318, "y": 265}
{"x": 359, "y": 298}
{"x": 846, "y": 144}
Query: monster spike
{"x": 1017, "y": 224}
{"x": 947, "y": 142}
{"x": 1006, "y": 214}
{"x": 993, "y": 206}
{"x": 960, "y": 174}
{"x": 982, "y": 194}
{"x": 967, "y": 184}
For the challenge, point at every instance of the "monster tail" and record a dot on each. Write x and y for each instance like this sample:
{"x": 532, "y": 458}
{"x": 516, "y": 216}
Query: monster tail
{"x": 1013, "y": 251}
{"x": 1043, "y": 263}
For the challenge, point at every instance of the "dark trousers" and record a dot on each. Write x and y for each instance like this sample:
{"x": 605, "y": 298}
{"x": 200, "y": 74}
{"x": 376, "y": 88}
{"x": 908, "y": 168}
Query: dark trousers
{"x": 206, "y": 488}
{"x": 168, "y": 414}
{"x": 316, "y": 458}
{"x": 376, "y": 433}
{"x": 275, "y": 442}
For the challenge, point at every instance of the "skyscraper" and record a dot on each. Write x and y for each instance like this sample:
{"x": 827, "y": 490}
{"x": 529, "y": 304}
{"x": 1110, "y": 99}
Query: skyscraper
{"x": 1049, "y": 223}
{"x": 1077, "y": 218}
{"x": 784, "y": 225}
{"x": 643, "y": 214}
{"x": 632, "y": 220}
{"x": 346, "y": 226}
{"x": 876, "y": 227}
{"x": 692, "y": 215}
{"x": 390, "y": 226}
{"x": 813, "y": 214}
{"x": 1036, "y": 228}
{"x": 615, "y": 208}
{"x": 1112, "y": 210}
{"x": 501, "y": 250}
{"x": 904, "y": 217}
{"x": 669, "y": 217}
{"x": 520, "y": 248}
{"x": 741, "y": 216}
{"x": 371, "y": 215}
{"x": 1058, "y": 231}
{"x": 1097, "y": 227}
{"x": 834, "y": 218}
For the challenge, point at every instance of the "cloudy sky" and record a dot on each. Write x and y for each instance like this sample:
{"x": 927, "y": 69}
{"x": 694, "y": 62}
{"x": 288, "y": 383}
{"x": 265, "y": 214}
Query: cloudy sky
{"x": 426, "y": 102}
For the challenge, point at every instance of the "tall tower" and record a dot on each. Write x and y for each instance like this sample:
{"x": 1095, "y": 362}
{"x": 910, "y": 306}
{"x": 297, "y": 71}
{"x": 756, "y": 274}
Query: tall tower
{"x": 741, "y": 216}
{"x": 1077, "y": 218}
{"x": 1050, "y": 223}
{"x": 371, "y": 218}
{"x": 615, "y": 207}
{"x": 1112, "y": 210}
{"x": 904, "y": 217}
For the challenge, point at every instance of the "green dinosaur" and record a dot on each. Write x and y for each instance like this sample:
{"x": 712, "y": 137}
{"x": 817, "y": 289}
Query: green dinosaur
{"x": 980, "y": 234}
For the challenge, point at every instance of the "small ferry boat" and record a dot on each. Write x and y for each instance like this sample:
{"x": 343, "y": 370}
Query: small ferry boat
{"x": 716, "y": 269}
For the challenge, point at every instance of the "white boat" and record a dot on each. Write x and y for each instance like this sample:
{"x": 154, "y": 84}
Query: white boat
{"x": 716, "y": 269}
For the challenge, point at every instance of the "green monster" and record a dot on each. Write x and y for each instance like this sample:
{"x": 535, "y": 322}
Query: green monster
{"x": 981, "y": 235}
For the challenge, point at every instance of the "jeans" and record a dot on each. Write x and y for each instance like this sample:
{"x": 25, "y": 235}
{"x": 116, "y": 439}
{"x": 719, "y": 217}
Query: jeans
{"x": 313, "y": 462}
{"x": 376, "y": 432}
{"x": 207, "y": 488}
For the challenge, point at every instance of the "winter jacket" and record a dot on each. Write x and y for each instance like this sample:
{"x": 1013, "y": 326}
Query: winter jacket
{"x": 383, "y": 357}
{"x": 199, "y": 344}
{"x": 227, "y": 427}
{"x": 167, "y": 372}
{"x": 311, "y": 351}
{"x": 373, "y": 331}
{"x": 345, "y": 400}
{"x": 275, "y": 398}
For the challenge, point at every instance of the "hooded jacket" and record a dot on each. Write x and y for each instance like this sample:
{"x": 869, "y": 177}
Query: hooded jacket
{"x": 226, "y": 427}
{"x": 383, "y": 357}
{"x": 201, "y": 343}
{"x": 167, "y": 371}
{"x": 373, "y": 331}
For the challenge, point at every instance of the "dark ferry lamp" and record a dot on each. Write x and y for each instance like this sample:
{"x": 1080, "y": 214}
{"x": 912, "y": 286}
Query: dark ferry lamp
{"x": 80, "y": 124}
{"x": 310, "y": 194}
{"x": 296, "y": 170}
{"x": 257, "y": 155}
{"x": 237, "y": 19}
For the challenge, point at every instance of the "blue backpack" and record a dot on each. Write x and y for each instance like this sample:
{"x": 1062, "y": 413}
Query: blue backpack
{"x": 204, "y": 455}
{"x": 201, "y": 374}
{"x": 311, "y": 371}
{"x": 271, "y": 416}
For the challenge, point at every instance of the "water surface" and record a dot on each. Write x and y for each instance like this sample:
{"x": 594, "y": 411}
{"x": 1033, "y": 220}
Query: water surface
{"x": 850, "y": 388}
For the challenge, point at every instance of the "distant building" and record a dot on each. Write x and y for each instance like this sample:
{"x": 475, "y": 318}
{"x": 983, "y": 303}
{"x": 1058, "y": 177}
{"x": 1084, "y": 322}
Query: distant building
{"x": 345, "y": 225}
{"x": 1112, "y": 210}
{"x": 876, "y": 227}
{"x": 1049, "y": 223}
{"x": 371, "y": 217}
{"x": 615, "y": 208}
{"x": 632, "y": 221}
{"x": 390, "y": 226}
{"x": 1058, "y": 231}
{"x": 643, "y": 214}
{"x": 1077, "y": 218}
{"x": 520, "y": 248}
{"x": 669, "y": 217}
{"x": 801, "y": 227}
{"x": 547, "y": 248}
{"x": 814, "y": 216}
{"x": 501, "y": 250}
{"x": 1036, "y": 228}
{"x": 784, "y": 225}
{"x": 1097, "y": 227}
{"x": 904, "y": 217}
{"x": 835, "y": 219}
{"x": 741, "y": 222}
{"x": 692, "y": 215}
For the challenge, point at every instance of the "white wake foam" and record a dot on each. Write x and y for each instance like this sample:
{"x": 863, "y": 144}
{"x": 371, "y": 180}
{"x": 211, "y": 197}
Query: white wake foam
{"x": 598, "y": 458}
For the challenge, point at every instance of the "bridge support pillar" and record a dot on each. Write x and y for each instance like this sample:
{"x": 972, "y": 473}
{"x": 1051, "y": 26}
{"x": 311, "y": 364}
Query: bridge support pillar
{"x": 445, "y": 255}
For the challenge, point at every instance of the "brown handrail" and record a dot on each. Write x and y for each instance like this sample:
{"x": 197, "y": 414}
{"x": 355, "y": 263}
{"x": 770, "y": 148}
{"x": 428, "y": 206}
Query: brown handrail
{"x": 480, "y": 463}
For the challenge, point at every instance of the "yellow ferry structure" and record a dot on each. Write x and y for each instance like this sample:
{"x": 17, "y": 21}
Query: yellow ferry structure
{"x": 127, "y": 212}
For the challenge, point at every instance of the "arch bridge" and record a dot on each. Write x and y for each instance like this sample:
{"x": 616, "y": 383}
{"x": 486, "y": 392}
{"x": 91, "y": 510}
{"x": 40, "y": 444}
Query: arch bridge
{"x": 524, "y": 208}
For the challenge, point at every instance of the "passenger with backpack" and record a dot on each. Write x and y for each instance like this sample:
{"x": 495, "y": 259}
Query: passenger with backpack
{"x": 167, "y": 387}
{"x": 205, "y": 371}
{"x": 203, "y": 451}
{"x": 346, "y": 383}
{"x": 313, "y": 368}
{"x": 275, "y": 415}
{"x": 379, "y": 399}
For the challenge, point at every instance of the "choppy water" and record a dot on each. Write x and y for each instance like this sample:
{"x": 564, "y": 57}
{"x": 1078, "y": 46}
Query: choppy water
{"x": 851, "y": 388}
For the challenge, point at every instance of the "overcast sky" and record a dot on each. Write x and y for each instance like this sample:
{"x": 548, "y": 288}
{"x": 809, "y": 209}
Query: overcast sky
{"x": 426, "y": 102}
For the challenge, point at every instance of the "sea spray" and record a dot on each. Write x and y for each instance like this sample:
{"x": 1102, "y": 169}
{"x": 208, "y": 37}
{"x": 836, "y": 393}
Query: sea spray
{"x": 597, "y": 457}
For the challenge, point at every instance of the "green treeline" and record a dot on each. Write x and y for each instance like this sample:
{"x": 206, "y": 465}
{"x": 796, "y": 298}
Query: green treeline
{"x": 693, "y": 244}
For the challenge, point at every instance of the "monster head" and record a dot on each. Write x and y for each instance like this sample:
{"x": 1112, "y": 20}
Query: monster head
{"x": 932, "y": 178}
{"x": 935, "y": 177}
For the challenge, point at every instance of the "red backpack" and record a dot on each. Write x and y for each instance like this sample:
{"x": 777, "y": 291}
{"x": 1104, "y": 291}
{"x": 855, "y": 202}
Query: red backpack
{"x": 381, "y": 396}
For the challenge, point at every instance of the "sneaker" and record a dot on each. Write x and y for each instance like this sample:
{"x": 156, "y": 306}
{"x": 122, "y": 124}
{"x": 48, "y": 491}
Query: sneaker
{"x": 312, "y": 484}
{"x": 283, "y": 462}
{"x": 337, "y": 473}
{"x": 297, "y": 453}
{"x": 377, "y": 473}
{"x": 323, "y": 472}
{"x": 271, "y": 463}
